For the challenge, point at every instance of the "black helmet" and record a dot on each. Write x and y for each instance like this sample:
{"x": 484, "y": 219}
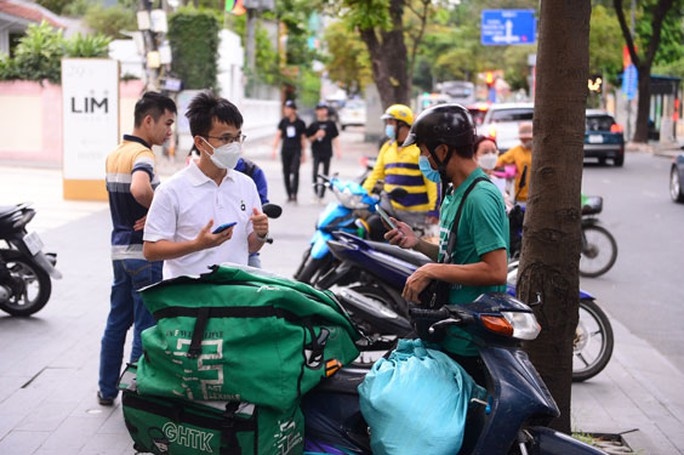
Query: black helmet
{"x": 449, "y": 124}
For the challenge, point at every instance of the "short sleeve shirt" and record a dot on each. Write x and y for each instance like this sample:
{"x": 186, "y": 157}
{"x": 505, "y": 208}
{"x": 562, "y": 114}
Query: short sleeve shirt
{"x": 186, "y": 202}
{"x": 323, "y": 147}
{"x": 291, "y": 133}
{"x": 132, "y": 155}
{"x": 483, "y": 228}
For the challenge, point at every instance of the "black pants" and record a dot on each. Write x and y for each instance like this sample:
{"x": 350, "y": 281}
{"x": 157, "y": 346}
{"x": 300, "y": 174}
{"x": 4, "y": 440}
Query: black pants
{"x": 291, "y": 159}
{"x": 319, "y": 160}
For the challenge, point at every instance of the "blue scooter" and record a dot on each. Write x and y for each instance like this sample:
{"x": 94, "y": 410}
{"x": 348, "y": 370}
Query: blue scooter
{"x": 379, "y": 271}
{"x": 512, "y": 419}
{"x": 354, "y": 203}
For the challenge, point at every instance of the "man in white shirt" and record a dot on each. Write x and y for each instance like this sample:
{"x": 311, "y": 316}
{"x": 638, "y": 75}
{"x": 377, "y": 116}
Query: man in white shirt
{"x": 189, "y": 207}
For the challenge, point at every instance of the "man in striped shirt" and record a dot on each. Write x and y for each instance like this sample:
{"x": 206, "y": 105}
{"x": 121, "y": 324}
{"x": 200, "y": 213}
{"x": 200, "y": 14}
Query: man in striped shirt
{"x": 397, "y": 166}
{"x": 131, "y": 180}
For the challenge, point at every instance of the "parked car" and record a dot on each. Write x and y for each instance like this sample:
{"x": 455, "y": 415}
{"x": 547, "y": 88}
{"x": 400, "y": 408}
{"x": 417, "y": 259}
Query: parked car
{"x": 603, "y": 138}
{"x": 677, "y": 179}
{"x": 501, "y": 122}
{"x": 353, "y": 113}
{"x": 478, "y": 111}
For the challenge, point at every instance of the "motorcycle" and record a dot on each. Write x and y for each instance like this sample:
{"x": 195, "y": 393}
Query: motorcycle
{"x": 378, "y": 272}
{"x": 514, "y": 416}
{"x": 25, "y": 270}
{"x": 354, "y": 203}
{"x": 599, "y": 248}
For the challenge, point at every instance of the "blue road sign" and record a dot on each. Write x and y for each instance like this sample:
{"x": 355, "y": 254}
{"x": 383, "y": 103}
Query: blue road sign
{"x": 629, "y": 81}
{"x": 503, "y": 27}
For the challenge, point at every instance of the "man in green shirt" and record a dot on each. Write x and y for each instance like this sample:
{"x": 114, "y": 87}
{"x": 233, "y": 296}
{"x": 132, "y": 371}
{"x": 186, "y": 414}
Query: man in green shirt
{"x": 477, "y": 261}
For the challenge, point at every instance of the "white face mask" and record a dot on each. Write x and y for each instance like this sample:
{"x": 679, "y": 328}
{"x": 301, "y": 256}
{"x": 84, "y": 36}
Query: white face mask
{"x": 487, "y": 161}
{"x": 226, "y": 156}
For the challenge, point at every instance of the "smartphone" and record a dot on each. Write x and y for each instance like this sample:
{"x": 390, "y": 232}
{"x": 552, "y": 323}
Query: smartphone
{"x": 223, "y": 227}
{"x": 385, "y": 217}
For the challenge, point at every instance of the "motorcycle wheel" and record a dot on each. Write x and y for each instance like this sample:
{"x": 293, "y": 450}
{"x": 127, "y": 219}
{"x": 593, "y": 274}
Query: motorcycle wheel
{"x": 38, "y": 287}
{"x": 593, "y": 342}
{"x": 599, "y": 251}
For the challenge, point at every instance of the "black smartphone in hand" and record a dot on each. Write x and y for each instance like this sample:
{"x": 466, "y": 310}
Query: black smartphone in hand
{"x": 385, "y": 217}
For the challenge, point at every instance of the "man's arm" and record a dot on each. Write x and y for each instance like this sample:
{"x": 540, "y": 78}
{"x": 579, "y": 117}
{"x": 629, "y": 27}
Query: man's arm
{"x": 378, "y": 171}
{"x": 160, "y": 250}
{"x": 276, "y": 141}
{"x": 490, "y": 271}
{"x": 258, "y": 236}
{"x": 336, "y": 147}
{"x": 141, "y": 188}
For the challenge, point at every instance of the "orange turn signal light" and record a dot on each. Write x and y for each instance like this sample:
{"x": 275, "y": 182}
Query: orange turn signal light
{"x": 497, "y": 324}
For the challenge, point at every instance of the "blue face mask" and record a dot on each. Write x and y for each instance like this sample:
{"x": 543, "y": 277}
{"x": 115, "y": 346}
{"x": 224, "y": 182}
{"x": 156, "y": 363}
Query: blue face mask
{"x": 427, "y": 170}
{"x": 390, "y": 132}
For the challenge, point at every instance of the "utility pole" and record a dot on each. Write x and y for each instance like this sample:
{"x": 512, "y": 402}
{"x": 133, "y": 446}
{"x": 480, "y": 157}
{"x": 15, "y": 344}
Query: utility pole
{"x": 253, "y": 8}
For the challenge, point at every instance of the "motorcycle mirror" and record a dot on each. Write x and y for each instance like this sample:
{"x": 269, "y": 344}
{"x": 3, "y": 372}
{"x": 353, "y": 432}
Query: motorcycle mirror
{"x": 272, "y": 210}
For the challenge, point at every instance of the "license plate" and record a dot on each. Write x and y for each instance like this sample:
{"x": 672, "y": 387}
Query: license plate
{"x": 595, "y": 139}
{"x": 33, "y": 242}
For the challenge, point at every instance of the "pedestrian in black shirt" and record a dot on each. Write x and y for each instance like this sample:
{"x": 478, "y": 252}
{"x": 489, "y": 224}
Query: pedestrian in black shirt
{"x": 323, "y": 135}
{"x": 292, "y": 131}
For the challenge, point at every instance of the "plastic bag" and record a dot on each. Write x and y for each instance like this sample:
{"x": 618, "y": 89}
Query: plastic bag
{"x": 416, "y": 401}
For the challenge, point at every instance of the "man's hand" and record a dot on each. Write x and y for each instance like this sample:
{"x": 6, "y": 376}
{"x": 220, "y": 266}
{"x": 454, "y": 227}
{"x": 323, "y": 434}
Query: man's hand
{"x": 205, "y": 239}
{"x": 417, "y": 282}
{"x": 139, "y": 224}
{"x": 259, "y": 223}
{"x": 402, "y": 235}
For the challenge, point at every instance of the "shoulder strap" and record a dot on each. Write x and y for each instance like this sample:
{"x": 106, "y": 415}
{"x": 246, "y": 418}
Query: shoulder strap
{"x": 454, "y": 228}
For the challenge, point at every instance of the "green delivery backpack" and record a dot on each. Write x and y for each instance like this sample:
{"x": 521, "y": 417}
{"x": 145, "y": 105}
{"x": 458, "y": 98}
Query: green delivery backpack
{"x": 172, "y": 426}
{"x": 238, "y": 335}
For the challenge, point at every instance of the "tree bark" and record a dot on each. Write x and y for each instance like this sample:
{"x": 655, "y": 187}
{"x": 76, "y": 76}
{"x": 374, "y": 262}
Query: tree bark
{"x": 551, "y": 239}
{"x": 388, "y": 54}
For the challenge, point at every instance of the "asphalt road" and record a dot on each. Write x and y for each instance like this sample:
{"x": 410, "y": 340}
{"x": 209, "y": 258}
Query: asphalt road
{"x": 642, "y": 290}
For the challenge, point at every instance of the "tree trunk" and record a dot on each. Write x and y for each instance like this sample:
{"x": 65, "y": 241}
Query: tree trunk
{"x": 644, "y": 62}
{"x": 643, "y": 106}
{"x": 551, "y": 239}
{"x": 388, "y": 54}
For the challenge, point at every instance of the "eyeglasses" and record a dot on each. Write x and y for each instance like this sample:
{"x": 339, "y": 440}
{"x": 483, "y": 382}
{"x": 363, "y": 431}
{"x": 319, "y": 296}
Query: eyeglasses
{"x": 228, "y": 139}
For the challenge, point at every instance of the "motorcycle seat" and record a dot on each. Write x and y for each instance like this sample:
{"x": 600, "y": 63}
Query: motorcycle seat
{"x": 344, "y": 381}
{"x": 410, "y": 256}
{"x": 593, "y": 205}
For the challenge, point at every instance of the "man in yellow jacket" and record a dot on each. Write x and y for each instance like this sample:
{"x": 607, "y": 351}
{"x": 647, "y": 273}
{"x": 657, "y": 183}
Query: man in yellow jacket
{"x": 521, "y": 156}
{"x": 397, "y": 166}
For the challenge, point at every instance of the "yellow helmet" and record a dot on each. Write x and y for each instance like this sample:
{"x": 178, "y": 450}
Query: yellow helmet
{"x": 400, "y": 113}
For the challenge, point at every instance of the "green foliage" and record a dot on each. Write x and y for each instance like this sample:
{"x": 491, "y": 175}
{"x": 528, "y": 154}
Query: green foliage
{"x": 8, "y": 68}
{"x": 56, "y": 6}
{"x": 310, "y": 88}
{"x": 88, "y": 46}
{"x": 605, "y": 44}
{"x": 77, "y": 8}
{"x": 110, "y": 21}
{"x": 38, "y": 54}
{"x": 193, "y": 35}
{"x": 348, "y": 62}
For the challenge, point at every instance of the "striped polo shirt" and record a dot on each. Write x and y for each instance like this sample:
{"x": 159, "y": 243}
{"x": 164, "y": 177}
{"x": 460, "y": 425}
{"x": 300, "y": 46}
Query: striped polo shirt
{"x": 132, "y": 155}
{"x": 398, "y": 167}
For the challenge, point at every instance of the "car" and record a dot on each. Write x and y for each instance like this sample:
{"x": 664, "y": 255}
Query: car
{"x": 353, "y": 113}
{"x": 677, "y": 179}
{"x": 603, "y": 138}
{"x": 501, "y": 123}
{"x": 478, "y": 111}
